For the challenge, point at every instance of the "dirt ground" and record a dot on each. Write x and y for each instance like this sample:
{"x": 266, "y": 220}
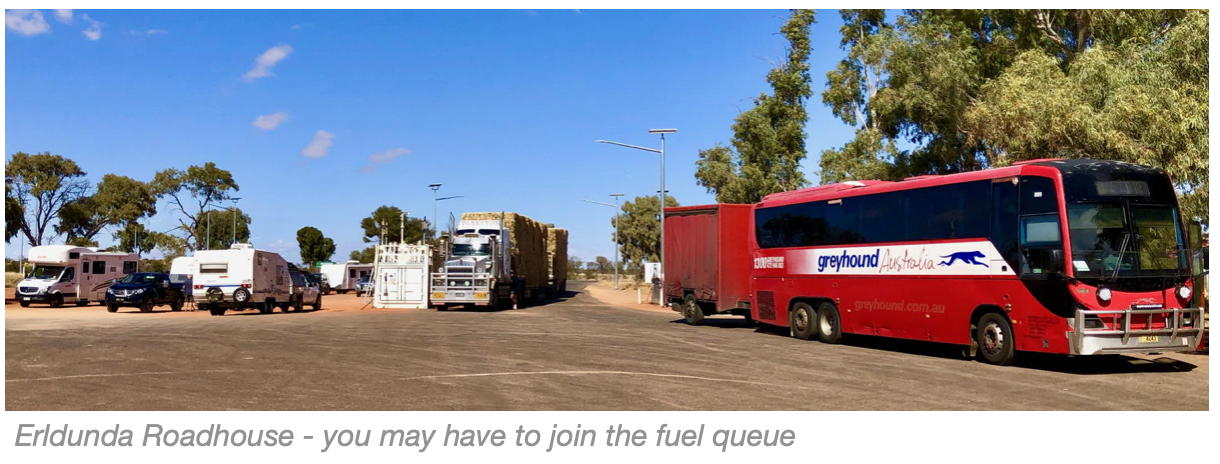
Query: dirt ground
{"x": 575, "y": 353}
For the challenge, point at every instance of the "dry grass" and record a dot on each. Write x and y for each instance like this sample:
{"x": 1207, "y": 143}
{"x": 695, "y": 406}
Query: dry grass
{"x": 11, "y": 278}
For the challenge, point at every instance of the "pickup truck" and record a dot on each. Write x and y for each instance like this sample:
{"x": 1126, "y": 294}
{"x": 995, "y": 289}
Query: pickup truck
{"x": 145, "y": 290}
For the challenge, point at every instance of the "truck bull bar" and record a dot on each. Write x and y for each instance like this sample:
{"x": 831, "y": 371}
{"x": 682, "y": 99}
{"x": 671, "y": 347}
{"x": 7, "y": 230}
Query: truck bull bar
{"x": 1118, "y": 340}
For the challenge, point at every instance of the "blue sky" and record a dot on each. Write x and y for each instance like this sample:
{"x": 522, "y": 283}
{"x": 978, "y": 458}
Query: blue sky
{"x": 502, "y": 107}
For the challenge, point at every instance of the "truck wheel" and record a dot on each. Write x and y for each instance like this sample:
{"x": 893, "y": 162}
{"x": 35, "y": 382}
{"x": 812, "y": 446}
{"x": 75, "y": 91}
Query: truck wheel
{"x": 317, "y": 303}
{"x": 146, "y": 305}
{"x": 801, "y": 321}
{"x": 176, "y": 304}
{"x": 111, "y": 307}
{"x": 829, "y": 326}
{"x": 995, "y": 338}
{"x": 691, "y": 310}
{"x": 56, "y": 301}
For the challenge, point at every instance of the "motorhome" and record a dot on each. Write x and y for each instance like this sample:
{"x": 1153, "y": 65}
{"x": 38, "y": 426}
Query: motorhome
{"x": 72, "y": 274}
{"x": 182, "y": 271}
{"x": 240, "y": 277}
{"x": 343, "y": 277}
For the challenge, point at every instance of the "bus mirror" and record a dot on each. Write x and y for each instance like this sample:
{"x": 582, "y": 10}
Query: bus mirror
{"x": 1195, "y": 235}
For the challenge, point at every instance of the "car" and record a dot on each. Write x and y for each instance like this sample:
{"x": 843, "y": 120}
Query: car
{"x": 144, "y": 290}
{"x": 304, "y": 288}
{"x": 364, "y": 287}
{"x": 323, "y": 282}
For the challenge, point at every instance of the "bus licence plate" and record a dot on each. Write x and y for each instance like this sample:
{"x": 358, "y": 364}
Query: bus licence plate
{"x": 1150, "y": 339}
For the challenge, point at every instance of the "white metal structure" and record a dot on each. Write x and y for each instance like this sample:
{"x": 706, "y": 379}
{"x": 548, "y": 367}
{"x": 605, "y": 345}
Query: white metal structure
{"x": 66, "y": 273}
{"x": 240, "y": 277}
{"x": 343, "y": 277}
{"x": 401, "y": 276}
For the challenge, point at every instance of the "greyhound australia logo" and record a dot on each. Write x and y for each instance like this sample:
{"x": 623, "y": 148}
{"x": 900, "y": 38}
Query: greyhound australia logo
{"x": 968, "y": 257}
{"x": 849, "y": 260}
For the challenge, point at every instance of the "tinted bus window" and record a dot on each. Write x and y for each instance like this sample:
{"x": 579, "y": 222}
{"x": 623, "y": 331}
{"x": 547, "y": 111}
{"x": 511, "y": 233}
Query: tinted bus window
{"x": 1038, "y": 195}
{"x": 1003, "y": 232}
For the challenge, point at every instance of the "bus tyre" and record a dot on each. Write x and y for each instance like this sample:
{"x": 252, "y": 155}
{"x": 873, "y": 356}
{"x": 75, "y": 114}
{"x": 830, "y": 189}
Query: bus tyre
{"x": 691, "y": 310}
{"x": 829, "y": 326}
{"x": 995, "y": 338}
{"x": 801, "y": 321}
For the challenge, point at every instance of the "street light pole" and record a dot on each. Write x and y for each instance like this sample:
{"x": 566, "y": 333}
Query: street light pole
{"x": 435, "y": 230}
{"x": 617, "y": 210}
{"x": 660, "y": 195}
{"x": 234, "y": 213}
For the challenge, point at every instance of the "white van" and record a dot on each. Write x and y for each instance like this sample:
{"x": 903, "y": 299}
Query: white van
{"x": 66, "y": 273}
{"x": 343, "y": 277}
{"x": 182, "y": 271}
{"x": 240, "y": 278}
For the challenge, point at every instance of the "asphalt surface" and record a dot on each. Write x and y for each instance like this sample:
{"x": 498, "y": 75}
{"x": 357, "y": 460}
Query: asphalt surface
{"x": 573, "y": 354}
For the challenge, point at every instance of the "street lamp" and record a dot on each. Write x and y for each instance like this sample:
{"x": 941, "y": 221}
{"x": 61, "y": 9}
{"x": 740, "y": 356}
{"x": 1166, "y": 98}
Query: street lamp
{"x": 616, "y": 212}
{"x": 435, "y": 199}
{"x": 660, "y": 194}
{"x": 234, "y": 213}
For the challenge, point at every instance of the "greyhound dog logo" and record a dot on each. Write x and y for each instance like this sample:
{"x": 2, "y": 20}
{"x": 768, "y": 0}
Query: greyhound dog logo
{"x": 968, "y": 257}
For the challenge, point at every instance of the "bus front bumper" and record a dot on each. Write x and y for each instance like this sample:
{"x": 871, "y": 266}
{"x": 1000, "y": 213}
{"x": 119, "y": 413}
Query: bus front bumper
{"x": 1182, "y": 332}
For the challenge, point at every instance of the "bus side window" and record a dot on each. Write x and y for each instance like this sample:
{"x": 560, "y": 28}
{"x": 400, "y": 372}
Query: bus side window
{"x": 1004, "y": 221}
{"x": 1041, "y": 242}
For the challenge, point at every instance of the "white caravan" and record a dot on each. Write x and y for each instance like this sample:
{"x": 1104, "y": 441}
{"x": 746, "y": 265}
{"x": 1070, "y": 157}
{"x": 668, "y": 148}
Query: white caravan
{"x": 343, "y": 277}
{"x": 401, "y": 276}
{"x": 182, "y": 271}
{"x": 66, "y": 273}
{"x": 240, "y": 278}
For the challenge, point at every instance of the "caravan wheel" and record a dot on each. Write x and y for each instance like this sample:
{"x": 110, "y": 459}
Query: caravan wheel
{"x": 267, "y": 307}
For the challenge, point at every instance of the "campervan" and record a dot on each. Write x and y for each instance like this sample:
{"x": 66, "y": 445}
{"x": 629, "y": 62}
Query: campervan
{"x": 66, "y": 273}
{"x": 182, "y": 271}
{"x": 343, "y": 277}
{"x": 240, "y": 277}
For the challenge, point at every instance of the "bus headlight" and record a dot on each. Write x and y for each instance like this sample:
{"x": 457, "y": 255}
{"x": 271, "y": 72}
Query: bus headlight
{"x": 241, "y": 295}
{"x": 1184, "y": 292}
{"x": 1104, "y": 294}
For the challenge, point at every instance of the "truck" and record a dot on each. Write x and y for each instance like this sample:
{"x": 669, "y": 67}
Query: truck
{"x": 343, "y": 277}
{"x": 66, "y": 273}
{"x": 241, "y": 277}
{"x": 557, "y": 260}
{"x": 707, "y": 262}
{"x": 494, "y": 260}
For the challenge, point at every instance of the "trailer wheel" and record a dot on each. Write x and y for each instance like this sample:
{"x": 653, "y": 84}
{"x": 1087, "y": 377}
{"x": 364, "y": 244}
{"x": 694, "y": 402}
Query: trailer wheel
{"x": 82, "y": 302}
{"x": 829, "y": 326}
{"x": 217, "y": 311}
{"x": 299, "y": 305}
{"x": 801, "y": 321}
{"x": 691, "y": 310}
{"x": 995, "y": 338}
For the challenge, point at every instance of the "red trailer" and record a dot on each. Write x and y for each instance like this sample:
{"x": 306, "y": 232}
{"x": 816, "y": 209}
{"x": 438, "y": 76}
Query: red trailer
{"x": 707, "y": 260}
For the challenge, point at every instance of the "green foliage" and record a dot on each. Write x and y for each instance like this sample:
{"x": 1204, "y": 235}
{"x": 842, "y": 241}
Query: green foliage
{"x": 768, "y": 139}
{"x": 135, "y": 238}
{"x": 222, "y": 228}
{"x": 193, "y": 191}
{"x": 575, "y": 265}
{"x": 970, "y": 89}
{"x": 387, "y": 219}
{"x": 364, "y": 256}
{"x": 14, "y": 214}
{"x": 640, "y": 229}
{"x": 42, "y": 184}
{"x": 118, "y": 200}
{"x": 314, "y": 246}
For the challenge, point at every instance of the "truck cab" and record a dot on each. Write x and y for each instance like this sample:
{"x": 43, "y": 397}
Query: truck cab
{"x": 475, "y": 269}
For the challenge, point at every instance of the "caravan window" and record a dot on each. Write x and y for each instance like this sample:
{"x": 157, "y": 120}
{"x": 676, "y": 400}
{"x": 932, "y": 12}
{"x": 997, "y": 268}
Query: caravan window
{"x": 129, "y": 267}
{"x": 214, "y": 268}
{"x": 99, "y": 267}
{"x": 73, "y": 255}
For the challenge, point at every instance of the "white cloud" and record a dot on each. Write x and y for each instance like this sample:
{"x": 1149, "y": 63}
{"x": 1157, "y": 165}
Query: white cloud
{"x": 266, "y": 61}
{"x": 94, "y": 31}
{"x": 383, "y": 157}
{"x": 148, "y": 32}
{"x": 320, "y": 145}
{"x": 26, "y": 22}
{"x": 64, "y": 16}
{"x": 270, "y": 121}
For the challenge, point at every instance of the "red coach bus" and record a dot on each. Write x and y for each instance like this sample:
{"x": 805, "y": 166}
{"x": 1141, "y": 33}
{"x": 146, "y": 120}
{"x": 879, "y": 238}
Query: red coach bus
{"x": 1074, "y": 257}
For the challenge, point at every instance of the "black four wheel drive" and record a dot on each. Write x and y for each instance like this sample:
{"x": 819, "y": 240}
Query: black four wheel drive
{"x": 145, "y": 290}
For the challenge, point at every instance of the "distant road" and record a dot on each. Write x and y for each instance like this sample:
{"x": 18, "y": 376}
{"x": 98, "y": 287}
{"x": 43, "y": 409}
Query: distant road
{"x": 569, "y": 355}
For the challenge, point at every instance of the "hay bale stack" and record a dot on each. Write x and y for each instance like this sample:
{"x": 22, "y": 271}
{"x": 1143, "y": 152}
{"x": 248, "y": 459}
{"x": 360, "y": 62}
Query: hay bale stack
{"x": 557, "y": 255}
{"x": 528, "y": 248}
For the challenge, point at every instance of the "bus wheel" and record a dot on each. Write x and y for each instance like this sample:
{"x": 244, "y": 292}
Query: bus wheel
{"x": 830, "y": 327}
{"x": 801, "y": 321}
{"x": 995, "y": 339}
{"x": 692, "y": 311}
